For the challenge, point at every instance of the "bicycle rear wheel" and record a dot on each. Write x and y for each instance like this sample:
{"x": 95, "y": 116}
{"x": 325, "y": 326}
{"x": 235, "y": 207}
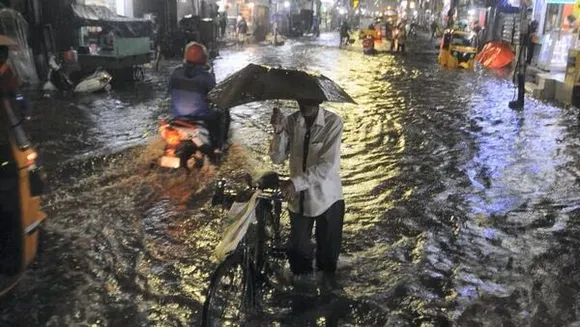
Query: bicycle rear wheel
{"x": 231, "y": 294}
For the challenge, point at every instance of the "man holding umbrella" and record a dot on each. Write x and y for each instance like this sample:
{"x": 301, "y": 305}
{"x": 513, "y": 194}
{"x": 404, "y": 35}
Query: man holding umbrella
{"x": 311, "y": 138}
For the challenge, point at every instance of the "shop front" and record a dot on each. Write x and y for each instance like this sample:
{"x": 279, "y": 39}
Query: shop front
{"x": 556, "y": 27}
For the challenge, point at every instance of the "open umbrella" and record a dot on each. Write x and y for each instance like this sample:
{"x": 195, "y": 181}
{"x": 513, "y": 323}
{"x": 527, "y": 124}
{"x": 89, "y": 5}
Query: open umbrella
{"x": 259, "y": 83}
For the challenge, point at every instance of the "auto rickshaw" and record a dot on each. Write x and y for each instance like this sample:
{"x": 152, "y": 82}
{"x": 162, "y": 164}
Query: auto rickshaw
{"x": 21, "y": 184}
{"x": 458, "y": 49}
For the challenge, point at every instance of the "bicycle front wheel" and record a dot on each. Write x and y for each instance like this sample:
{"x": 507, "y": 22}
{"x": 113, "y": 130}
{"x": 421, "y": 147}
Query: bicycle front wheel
{"x": 231, "y": 293}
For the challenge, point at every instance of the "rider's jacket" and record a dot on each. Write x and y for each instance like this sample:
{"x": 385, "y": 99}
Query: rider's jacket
{"x": 189, "y": 85}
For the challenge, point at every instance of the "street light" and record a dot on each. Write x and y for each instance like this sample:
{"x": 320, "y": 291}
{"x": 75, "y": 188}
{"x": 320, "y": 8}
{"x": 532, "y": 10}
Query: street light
{"x": 286, "y": 4}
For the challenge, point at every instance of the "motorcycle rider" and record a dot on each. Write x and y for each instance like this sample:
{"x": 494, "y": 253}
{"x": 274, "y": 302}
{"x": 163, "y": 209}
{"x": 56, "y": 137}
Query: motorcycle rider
{"x": 189, "y": 85}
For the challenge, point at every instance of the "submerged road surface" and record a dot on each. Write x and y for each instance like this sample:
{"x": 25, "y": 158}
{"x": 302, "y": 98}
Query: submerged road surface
{"x": 460, "y": 211}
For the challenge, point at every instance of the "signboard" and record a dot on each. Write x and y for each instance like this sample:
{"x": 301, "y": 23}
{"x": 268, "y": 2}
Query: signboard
{"x": 576, "y": 11}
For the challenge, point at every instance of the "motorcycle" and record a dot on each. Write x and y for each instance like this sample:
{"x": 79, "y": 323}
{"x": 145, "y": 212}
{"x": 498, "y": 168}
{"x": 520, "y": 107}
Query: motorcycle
{"x": 97, "y": 81}
{"x": 58, "y": 80}
{"x": 188, "y": 144}
{"x": 369, "y": 45}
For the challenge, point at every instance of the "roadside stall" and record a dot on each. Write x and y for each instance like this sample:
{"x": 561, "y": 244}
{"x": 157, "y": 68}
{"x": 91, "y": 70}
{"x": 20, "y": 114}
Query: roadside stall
{"x": 118, "y": 44}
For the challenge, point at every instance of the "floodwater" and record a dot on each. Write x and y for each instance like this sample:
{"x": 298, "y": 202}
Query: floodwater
{"x": 460, "y": 211}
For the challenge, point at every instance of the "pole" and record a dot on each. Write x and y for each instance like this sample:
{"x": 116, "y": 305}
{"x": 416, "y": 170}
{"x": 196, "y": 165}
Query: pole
{"x": 520, "y": 71}
{"x": 312, "y": 16}
{"x": 276, "y": 17}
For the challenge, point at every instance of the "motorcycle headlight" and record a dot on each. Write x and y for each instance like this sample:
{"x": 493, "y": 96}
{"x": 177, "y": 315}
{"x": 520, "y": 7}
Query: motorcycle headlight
{"x": 454, "y": 53}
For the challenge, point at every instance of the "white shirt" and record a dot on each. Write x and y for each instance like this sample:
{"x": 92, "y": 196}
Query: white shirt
{"x": 320, "y": 181}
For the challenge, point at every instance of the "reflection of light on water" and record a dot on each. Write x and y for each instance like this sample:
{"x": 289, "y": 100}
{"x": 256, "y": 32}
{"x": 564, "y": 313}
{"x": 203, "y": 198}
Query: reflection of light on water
{"x": 511, "y": 161}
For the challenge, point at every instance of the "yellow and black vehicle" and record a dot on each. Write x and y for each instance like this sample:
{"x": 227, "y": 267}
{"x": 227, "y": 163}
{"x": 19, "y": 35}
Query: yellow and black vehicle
{"x": 458, "y": 49}
{"x": 21, "y": 183}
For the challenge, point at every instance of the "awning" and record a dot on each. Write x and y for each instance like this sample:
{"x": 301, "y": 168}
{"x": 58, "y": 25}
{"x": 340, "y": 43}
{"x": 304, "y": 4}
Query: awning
{"x": 107, "y": 19}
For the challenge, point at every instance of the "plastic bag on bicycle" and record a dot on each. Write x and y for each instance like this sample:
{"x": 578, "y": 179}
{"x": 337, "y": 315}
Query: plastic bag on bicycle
{"x": 241, "y": 215}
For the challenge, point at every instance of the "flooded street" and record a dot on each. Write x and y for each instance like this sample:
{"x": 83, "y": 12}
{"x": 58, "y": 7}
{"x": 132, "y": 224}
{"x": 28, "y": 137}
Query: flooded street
{"x": 460, "y": 211}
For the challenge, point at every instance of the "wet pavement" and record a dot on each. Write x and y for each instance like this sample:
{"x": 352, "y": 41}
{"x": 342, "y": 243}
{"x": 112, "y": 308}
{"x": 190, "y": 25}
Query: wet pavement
{"x": 460, "y": 211}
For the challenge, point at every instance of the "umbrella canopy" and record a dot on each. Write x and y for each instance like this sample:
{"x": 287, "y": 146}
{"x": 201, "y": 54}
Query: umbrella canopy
{"x": 259, "y": 83}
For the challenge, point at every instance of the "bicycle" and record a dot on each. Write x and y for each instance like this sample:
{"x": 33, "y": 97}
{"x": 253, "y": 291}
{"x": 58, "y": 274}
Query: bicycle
{"x": 253, "y": 257}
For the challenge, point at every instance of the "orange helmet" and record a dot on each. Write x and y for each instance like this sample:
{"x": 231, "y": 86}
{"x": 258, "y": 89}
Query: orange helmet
{"x": 195, "y": 53}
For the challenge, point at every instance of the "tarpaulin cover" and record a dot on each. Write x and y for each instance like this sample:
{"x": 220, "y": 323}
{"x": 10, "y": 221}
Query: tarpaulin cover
{"x": 241, "y": 215}
{"x": 496, "y": 54}
{"x": 107, "y": 19}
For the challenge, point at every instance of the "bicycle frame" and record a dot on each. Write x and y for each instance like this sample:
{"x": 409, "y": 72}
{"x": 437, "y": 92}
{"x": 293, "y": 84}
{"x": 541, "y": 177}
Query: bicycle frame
{"x": 253, "y": 251}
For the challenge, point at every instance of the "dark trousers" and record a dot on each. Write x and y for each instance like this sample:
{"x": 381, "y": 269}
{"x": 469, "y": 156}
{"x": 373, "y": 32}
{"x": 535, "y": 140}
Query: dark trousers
{"x": 328, "y": 236}
{"x": 530, "y": 54}
{"x": 401, "y": 47}
{"x": 219, "y": 128}
{"x": 344, "y": 38}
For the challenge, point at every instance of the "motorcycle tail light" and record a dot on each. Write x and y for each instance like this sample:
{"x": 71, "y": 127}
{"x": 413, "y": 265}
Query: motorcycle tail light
{"x": 31, "y": 159}
{"x": 171, "y": 136}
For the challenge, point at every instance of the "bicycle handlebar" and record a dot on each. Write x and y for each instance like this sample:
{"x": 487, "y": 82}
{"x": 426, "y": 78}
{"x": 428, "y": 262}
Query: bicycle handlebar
{"x": 268, "y": 183}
